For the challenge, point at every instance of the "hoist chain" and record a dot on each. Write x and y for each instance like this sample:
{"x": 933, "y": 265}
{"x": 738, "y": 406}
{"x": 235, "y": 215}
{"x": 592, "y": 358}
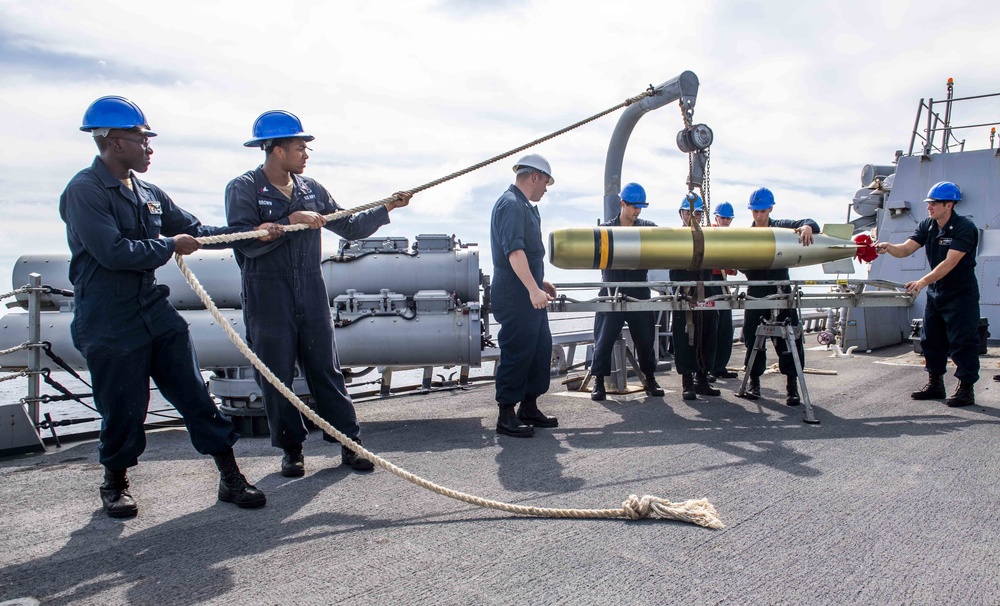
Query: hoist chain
{"x": 706, "y": 183}
{"x": 690, "y": 173}
{"x": 685, "y": 114}
{"x": 706, "y": 189}
{"x": 686, "y": 118}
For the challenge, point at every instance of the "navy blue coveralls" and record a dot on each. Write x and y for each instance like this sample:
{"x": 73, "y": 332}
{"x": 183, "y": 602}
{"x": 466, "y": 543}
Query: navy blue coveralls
{"x": 951, "y": 315}
{"x": 699, "y": 356}
{"x": 641, "y": 324}
{"x": 752, "y": 317}
{"x": 286, "y": 306}
{"x": 724, "y": 335}
{"x": 122, "y": 322}
{"x": 524, "y": 338}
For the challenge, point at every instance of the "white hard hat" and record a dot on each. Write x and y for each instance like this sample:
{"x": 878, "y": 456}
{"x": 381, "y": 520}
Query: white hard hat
{"x": 534, "y": 162}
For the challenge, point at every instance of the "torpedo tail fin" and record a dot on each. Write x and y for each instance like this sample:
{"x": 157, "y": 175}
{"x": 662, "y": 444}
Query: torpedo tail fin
{"x": 844, "y": 231}
{"x": 842, "y": 266}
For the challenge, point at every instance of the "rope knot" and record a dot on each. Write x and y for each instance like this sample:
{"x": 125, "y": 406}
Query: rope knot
{"x": 637, "y": 508}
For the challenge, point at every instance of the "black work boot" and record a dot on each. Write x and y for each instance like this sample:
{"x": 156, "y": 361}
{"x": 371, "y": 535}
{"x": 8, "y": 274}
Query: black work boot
{"x": 652, "y": 388}
{"x": 598, "y": 393}
{"x": 711, "y": 377}
{"x": 687, "y": 386}
{"x": 233, "y": 486}
{"x": 703, "y": 387}
{"x": 117, "y": 501}
{"x": 934, "y": 390}
{"x": 509, "y": 425}
{"x": 353, "y": 460}
{"x": 529, "y": 414}
{"x": 293, "y": 463}
{"x": 753, "y": 389}
{"x": 725, "y": 373}
{"x": 792, "y": 385}
{"x": 964, "y": 395}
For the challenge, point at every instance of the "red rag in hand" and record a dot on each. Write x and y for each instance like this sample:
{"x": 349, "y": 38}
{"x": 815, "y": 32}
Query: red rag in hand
{"x": 866, "y": 251}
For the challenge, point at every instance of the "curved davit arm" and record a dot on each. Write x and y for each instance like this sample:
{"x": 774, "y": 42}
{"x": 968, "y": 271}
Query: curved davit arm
{"x": 683, "y": 88}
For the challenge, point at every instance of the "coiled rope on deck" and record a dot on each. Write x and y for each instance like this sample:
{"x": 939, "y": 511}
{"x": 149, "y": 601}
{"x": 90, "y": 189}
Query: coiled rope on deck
{"x": 695, "y": 511}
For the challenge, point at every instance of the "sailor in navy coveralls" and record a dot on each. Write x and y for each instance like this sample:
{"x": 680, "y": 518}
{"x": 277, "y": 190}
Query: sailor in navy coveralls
{"x": 641, "y": 324}
{"x": 951, "y": 314}
{"x": 760, "y": 205}
{"x": 285, "y": 301}
{"x": 519, "y": 297}
{"x": 693, "y": 331}
{"x": 122, "y": 323}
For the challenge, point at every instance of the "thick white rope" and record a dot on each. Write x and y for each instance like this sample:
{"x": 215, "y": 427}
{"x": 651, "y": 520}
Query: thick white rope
{"x": 16, "y": 375}
{"x": 24, "y": 345}
{"x": 696, "y": 511}
{"x": 13, "y": 292}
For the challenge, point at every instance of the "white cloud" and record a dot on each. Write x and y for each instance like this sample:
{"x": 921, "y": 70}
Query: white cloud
{"x": 800, "y": 96}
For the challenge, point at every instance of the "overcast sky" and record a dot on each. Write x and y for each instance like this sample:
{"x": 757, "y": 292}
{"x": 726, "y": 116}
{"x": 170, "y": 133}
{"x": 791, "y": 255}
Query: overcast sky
{"x": 800, "y": 95}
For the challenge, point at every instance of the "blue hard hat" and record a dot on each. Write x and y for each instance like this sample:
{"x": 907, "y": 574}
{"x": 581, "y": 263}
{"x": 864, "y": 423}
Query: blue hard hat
{"x": 115, "y": 112}
{"x": 944, "y": 191}
{"x": 276, "y": 124}
{"x": 724, "y": 210}
{"x": 762, "y": 199}
{"x": 695, "y": 200}
{"x": 634, "y": 195}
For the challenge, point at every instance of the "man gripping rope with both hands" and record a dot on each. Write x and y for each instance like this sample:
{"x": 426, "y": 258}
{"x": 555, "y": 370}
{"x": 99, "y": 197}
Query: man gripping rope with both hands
{"x": 123, "y": 323}
{"x": 285, "y": 302}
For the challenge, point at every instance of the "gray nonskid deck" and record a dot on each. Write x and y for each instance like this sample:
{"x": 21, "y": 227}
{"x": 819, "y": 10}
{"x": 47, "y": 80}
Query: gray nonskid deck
{"x": 887, "y": 500}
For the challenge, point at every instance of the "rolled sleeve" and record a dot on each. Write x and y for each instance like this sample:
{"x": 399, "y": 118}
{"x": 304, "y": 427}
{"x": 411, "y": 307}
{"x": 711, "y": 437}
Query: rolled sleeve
{"x": 510, "y": 226}
{"x": 919, "y": 235}
{"x": 965, "y": 239}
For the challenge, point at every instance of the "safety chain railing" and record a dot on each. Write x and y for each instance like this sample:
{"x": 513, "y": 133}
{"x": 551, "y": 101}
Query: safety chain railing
{"x": 695, "y": 511}
{"x": 16, "y": 375}
{"x": 18, "y": 291}
{"x": 35, "y": 372}
{"x": 16, "y": 348}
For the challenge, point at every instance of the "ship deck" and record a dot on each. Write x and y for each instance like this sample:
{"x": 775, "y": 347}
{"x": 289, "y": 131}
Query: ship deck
{"x": 887, "y": 500}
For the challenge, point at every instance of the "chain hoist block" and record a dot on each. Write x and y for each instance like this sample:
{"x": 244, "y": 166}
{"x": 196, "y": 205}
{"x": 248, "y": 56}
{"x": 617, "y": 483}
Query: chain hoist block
{"x": 696, "y": 170}
{"x": 697, "y": 137}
